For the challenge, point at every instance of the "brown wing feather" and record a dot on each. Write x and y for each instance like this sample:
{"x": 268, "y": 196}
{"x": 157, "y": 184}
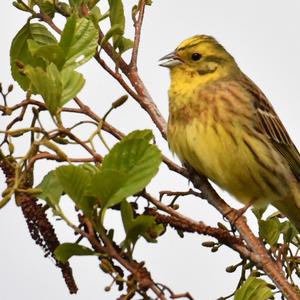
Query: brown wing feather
{"x": 270, "y": 124}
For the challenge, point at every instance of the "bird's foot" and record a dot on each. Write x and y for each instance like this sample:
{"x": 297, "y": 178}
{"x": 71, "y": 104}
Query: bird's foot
{"x": 238, "y": 213}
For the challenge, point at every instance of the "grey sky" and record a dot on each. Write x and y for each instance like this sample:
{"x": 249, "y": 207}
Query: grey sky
{"x": 263, "y": 36}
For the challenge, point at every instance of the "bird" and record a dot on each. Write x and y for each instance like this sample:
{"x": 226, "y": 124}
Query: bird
{"x": 224, "y": 127}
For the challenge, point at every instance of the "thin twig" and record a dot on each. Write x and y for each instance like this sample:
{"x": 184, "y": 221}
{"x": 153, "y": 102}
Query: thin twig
{"x": 49, "y": 156}
{"x": 137, "y": 35}
{"x": 72, "y": 136}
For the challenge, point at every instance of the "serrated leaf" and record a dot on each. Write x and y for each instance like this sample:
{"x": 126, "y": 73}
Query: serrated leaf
{"x": 56, "y": 87}
{"x": 19, "y": 51}
{"x": 49, "y": 53}
{"x": 126, "y": 170}
{"x": 108, "y": 187}
{"x": 146, "y": 135}
{"x": 66, "y": 250}
{"x": 253, "y": 289}
{"x": 47, "y": 83}
{"x": 52, "y": 189}
{"x": 72, "y": 82}
{"x": 92, "y": 169}
{"x": 75, "y": 181}
{"x": 79, "y": 40}
{"x": 269, "y": 230}
{"x": 131, "y": 150}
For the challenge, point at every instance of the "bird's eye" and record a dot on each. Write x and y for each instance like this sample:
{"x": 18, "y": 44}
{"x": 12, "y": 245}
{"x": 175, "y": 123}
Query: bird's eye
{"x": 196, "y": 56}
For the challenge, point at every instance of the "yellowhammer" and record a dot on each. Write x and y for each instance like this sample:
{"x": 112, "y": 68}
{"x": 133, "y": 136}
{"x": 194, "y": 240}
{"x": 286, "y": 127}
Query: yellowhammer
{"x": 223, "y": 126}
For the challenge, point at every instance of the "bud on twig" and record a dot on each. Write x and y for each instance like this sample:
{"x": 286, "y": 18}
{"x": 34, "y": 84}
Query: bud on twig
{"x": 10, "y": 88}
{"x": 120, "y": 101}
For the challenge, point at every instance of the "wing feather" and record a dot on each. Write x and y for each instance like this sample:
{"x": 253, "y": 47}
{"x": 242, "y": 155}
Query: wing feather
{"x": 270, "y": 124}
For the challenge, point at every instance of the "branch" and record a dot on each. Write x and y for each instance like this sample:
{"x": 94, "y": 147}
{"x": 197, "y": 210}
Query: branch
{"x": 222, "y": 235}
{"x": 137, "y": 35}
{"x": 72, "y": 136}
{"x": 138, "y": 270}
{"x": 49, "y": 156}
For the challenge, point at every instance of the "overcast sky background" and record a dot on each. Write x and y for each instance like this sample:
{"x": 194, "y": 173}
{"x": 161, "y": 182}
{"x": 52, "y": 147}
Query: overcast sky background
{"x": 264, "y": 37}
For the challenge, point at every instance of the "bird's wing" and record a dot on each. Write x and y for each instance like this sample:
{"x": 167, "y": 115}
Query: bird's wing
{"x": 270, "y": 125}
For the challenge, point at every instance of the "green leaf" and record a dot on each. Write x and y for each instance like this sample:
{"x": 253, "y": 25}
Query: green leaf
{"x": 117, "y": 20}
{"x": 79, "y": 40}
{"x": 31, "y": 3}
{"x": 136, "y": 157}
{"x": 116, "y": 13}
{"x": 52, "y": 189}
{"x": 127, "y": 215}
{"x": 139, "y": 227}
{"x": 124, "y": 44}
{"x": 253, "y": 289}
{"x": 56, "y": 87}
{"x": 75, "y": 3}
{"x": 104, "y": 16}
{"x": 49, "y": 53}
{"x": 269, "y": 230}
{"x": 19, "y": 52}
{"x": 153, "y": 232}
{"x": 92, "y": 3}
{"x": 66, "y": 250}
{"x": 20, "y": 5}
{"x": 146, "y": 135}
{"x": 108, "y": 187}
{"x": 126, "y": 170}
{"x": 72, "y": 82}
{"x": 95, "y": 15}
{"x": 259, "y": 211}
{"x": 47, "y": 7}
{"x": 75, "y": 181}
{"x": 46, "y": 83}
{"x": 135, "y": 227}
{"x": 114, "y": 31}
{"x": 92, "y": 169}
{"x": 288, "y": 230}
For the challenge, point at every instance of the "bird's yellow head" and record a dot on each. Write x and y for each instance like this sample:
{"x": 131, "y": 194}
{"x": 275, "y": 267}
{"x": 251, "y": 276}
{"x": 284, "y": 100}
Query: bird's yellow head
{"x": 200, "y": 56}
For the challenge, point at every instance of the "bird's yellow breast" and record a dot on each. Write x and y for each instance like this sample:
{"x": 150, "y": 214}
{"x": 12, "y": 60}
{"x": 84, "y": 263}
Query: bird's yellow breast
{"x": 208, "y": 135}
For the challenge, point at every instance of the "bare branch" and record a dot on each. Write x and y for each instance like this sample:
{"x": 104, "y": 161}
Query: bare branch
{"x": 137, "y": 36}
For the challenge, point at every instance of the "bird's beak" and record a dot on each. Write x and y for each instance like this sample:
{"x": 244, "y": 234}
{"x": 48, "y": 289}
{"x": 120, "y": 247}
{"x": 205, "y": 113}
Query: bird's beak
{"x": 170, "y": 60}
